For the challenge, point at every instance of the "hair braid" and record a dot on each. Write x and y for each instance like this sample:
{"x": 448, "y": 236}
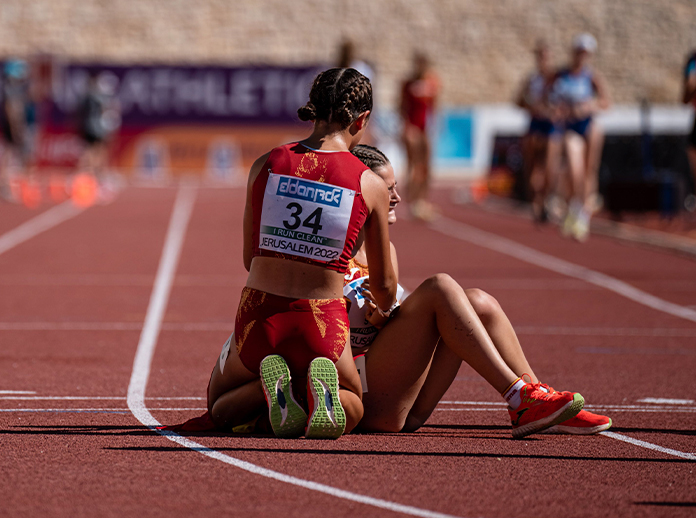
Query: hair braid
{"x": 370, "y": 156}
{"x": 338, "y": 95}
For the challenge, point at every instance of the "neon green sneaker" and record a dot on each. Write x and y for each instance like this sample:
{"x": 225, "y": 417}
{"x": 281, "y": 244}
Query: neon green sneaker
{"x": 327, "y": 419}
{"x": 287, "y": 417}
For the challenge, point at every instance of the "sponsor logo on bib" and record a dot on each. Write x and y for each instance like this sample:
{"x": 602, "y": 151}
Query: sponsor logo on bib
{"x": 310, "y": 191}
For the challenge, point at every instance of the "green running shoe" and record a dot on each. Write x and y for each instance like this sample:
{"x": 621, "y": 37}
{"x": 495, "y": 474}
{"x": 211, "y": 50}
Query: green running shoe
{"x": 287, "y": 418}
{"x": 327, "y": 419}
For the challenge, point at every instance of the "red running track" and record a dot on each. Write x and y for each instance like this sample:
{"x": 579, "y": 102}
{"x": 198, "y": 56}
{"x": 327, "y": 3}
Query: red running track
{"x": 74, "y": 299}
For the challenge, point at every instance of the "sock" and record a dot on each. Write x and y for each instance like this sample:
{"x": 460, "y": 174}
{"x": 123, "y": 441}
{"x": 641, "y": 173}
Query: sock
{"x": 512, "y": 394}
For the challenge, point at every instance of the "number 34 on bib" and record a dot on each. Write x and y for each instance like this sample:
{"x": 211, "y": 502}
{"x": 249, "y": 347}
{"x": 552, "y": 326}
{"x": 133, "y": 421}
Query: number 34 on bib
{"x": 305, "y": 218}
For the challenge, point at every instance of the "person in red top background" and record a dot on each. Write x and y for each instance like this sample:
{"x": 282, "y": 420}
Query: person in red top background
{"x": 418, "y": 99}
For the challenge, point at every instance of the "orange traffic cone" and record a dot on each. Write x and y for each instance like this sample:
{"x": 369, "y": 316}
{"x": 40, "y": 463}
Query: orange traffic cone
{"x": 84, "y": 190}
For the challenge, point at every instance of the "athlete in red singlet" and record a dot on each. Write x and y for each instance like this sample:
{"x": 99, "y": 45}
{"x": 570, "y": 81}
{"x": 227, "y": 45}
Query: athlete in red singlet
{"x": 306, "y": 203}
{"x": 418, "y": 97}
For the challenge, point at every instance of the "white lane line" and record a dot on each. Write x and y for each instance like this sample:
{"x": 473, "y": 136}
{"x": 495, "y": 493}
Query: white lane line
{"x": 143, "y": 361}
{"x": 17, "y": 392}
{"x": 649, "y": 445}
{"x": 675, "y": 332}
{"x": 665, "y": 401}
{"x": 123, "y": 409}
{"x": 38, "y": 224}
{"x": 94, "y": 398}
{"x": 529, "y": 255}
{"x": 113, "y": 326}
{"x": 109, "y": 280}
{"x": 606, "y": 331}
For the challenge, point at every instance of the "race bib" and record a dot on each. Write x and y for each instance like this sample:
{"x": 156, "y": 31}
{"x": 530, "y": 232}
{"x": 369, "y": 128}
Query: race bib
{"x": 305, "y": 218}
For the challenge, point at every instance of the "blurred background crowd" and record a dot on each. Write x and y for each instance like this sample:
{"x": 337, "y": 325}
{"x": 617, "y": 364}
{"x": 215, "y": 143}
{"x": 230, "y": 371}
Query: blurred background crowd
{"x": 573, "y": 107}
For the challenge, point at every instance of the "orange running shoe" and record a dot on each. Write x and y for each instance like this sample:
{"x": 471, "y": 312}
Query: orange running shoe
{"x": 585, "y": 423}
{"x": 541, "y": 409}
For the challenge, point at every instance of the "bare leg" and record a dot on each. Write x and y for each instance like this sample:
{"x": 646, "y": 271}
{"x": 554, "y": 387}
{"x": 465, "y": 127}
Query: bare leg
{"x": 235, "y": 397}
{"x": 539, "y": 178}
{"x": 595, "y": 142}
{"x": 575, "y": 151}
{"x": 501, "y": 331}
{"x": 438, "y": 308}
{"x": 443, "y": 370}
{"x": 350, "y": 389}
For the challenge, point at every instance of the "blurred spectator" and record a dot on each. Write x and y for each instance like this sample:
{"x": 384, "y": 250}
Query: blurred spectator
{"x": 577, "y": 94}
{"x": 17, "y": 118}
{"x": 99, "y": 117}
{"x": 689, "y": 97}
{"x": 533, "y": 98}
{"x": 418, "y": 99}
{"x": 347, "y": 58}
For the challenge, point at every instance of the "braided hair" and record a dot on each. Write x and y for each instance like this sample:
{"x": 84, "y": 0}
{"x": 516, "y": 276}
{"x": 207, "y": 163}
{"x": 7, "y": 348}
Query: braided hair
{"x": 370, "y": 156}
{"x": 338, "y": 95}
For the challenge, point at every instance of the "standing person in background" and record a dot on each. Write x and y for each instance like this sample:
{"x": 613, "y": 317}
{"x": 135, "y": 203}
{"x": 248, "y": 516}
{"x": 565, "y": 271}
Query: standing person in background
{"x": 577, "y": 94}
{"x": 689, "y": 97}
{"x": 17, "y": 119}
{"x": 418, "y": 99}
{"x": 99, "y": 118}
{"x": 348, "y": 58}
{"x": 532, "y": 97}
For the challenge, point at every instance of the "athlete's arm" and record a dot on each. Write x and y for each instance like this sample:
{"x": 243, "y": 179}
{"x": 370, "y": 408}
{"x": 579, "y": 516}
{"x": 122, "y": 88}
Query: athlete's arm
{"x": 603, "y": 102}
{"x": 377, "y": 245}
{"x": 521, "y": 100}
{"x": 689, "y": 85}
{"x": 248, "y": 213}
{"x": 395, "y": 262}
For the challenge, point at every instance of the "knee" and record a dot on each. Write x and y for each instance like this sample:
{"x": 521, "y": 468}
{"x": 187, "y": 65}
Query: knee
{"x": 441, "y": 283}
{"x": 485, "y": 305}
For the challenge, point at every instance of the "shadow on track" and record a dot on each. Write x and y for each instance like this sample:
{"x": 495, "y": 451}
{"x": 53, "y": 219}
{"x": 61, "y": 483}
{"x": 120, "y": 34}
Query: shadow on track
{"x": 382, "y": 453}
{"x": 667, "y": 504}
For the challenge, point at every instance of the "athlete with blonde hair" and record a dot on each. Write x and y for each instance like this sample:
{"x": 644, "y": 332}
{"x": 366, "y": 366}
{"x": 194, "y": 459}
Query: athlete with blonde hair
{"x": 411, "y": 359}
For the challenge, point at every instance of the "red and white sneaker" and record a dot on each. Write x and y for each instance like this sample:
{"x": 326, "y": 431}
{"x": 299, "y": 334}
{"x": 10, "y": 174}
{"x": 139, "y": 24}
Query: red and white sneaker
{"x": 585, "y": 423}
{"x": 541, "y": 409}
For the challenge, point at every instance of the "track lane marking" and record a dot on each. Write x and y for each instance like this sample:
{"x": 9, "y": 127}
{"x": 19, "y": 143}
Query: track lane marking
{"x": 464, "y": 232}
{"x": 668, "y": 332}
{"x": 649, "y": 445}
{"x": 38, "y": 224}
{"x": 145, "y": 352}
{"x": 534, "y": 257}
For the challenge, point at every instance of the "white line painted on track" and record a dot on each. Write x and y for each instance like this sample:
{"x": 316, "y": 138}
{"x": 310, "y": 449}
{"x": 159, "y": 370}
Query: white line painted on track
{"x": 671, "y": 332}
{"x": 143, "y": 361}
{"x": 665, "y": 401}
{"x": 113, "y": 326}
{"x": 94, "y": 398}
{"x": 17, "y": 392}
{"x": 606, "y": 331}
{"x": 38, "y": 224}
{"x": 123, "y": 409}
{"x": 672, "y": 410}
{"x": 649, "y": 445}
{"x": 529, "y": 255}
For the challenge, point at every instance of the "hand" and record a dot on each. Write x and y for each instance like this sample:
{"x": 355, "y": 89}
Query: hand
{"x": 374, "y": 317}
